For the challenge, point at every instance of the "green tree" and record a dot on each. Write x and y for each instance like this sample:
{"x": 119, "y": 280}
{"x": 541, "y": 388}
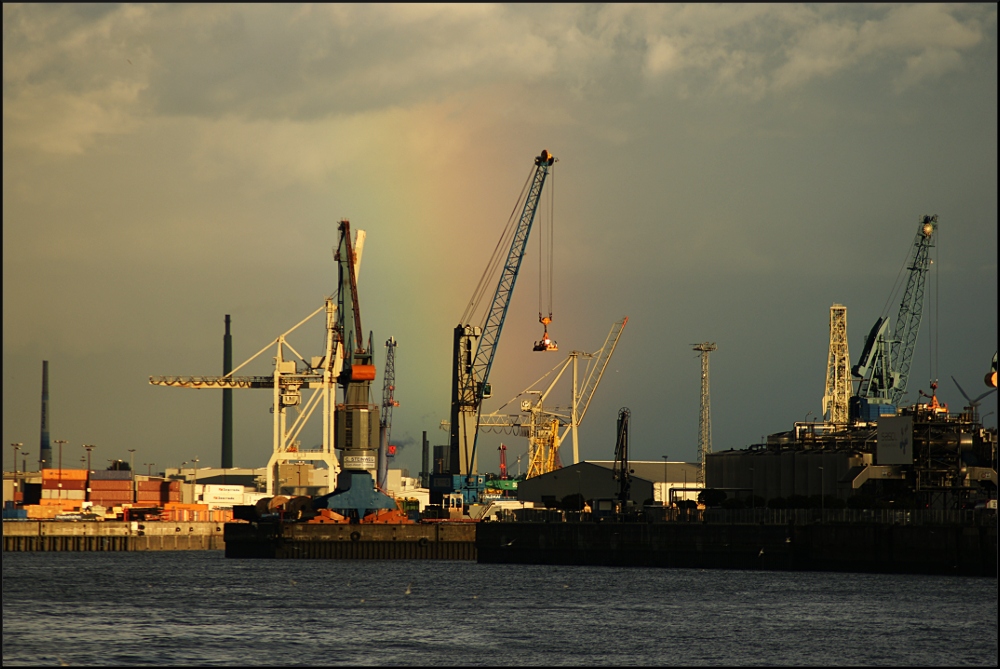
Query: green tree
{"x": 712, "y": 497}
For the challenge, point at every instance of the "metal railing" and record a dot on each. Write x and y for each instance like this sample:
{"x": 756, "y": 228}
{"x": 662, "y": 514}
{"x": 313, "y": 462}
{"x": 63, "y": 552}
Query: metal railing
{"x": 965, "y": 517}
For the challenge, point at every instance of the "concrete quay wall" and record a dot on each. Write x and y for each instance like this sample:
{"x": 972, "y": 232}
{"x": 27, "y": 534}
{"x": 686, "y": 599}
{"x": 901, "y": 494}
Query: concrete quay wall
{"x": 430, "y": 541}
{"x": 42, "y": 535}
{"x": 849, "y": 548}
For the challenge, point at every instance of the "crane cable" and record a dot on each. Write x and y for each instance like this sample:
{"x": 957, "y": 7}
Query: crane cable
{"x": 546, "y": 255}
{"x": 497, "y": 258}
{"x": 897, "y": 284}
{"x": 935, "y": 332}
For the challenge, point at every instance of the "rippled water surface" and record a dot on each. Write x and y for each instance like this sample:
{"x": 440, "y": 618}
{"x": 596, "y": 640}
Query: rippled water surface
{"x": 197, "y": 607}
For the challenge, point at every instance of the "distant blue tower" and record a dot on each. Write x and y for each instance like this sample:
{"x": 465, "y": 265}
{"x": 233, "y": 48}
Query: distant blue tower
{"x": 45, "y": 452}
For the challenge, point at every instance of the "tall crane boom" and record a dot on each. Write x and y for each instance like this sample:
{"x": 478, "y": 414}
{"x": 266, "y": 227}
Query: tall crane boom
{"x": 472, "y": 361}
{"x": 912, "y": 306}
{"x": 388, "y": 402}
{"x": 622, "y": 471}
{"x": 884, "y": 365}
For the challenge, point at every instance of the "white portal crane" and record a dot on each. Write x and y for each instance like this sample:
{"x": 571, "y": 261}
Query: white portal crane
{"x": 291, "y": 376}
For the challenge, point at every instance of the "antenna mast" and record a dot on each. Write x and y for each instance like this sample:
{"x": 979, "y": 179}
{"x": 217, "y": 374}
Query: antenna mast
{"x": 705, "y": 421}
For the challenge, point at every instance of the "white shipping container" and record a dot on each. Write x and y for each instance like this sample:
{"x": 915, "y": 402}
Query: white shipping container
{"x": 216, "y": 488}
{"x": 222, "y": 498}
{"x": 251, "y": 498}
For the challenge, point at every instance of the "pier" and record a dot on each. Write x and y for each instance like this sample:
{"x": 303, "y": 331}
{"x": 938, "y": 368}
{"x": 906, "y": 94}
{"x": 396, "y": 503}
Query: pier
{"x": 424, "y": 541}
{"x": 43, "y": 535}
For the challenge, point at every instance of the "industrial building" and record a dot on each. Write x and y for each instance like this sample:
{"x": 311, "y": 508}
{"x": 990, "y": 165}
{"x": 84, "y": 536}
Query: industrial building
{"x": 595, "y": 480}
{"x": 870, "y": 450}
{"x": 923, "y": 458}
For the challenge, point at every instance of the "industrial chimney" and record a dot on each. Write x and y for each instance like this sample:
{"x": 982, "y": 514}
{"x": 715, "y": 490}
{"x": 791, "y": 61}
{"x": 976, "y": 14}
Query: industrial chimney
{"x": 227, "y": 401}
{"x": 45, "y": 452}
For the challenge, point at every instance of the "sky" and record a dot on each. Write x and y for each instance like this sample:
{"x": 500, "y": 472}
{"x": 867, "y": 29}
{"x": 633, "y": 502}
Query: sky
{"x": 725, "y": 174}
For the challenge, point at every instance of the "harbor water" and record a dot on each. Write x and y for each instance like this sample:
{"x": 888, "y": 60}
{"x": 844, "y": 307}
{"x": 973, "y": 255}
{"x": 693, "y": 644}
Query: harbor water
{"x": 197, "y": 607}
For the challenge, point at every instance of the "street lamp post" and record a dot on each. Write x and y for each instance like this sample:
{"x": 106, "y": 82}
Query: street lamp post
{"x": 131, "y": 470}
{"x": 60, "y": 442}
{"x": 753, "y": 490}
{"x": 663, "y": 488}
{"x": 16, "y": 447}
{"x": 88, "y": 448}
{"x": 194, "y": 463}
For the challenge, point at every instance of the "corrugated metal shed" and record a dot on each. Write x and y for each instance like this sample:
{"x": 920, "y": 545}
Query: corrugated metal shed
{"x": 591, "y": 480}
{"x": 652, "y": 470}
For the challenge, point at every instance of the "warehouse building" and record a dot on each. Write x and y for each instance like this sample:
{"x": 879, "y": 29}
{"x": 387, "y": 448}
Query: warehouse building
{"x": 595, "y": 480}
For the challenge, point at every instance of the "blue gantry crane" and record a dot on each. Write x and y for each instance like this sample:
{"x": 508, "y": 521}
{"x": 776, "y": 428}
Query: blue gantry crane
{"x": 475, "y": 346}
{"x": 884, "y": 365}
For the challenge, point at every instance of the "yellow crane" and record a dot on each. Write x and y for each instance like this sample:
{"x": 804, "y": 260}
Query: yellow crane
{"x": 545, "y": 428}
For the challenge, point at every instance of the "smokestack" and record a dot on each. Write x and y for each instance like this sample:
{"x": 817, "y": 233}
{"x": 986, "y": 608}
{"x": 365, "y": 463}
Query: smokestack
{"x": 45, "y": 452}
{"x": 227, "y": 401}
{"x": 425, "y": 472}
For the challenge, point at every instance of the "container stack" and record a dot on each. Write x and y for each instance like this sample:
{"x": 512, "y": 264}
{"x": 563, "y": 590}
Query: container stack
{"x": 64, "y": 489}
{"x": 222, "y": 497}
{"x": 111, "y": 487}
{"x": 157, "y": 492}
{"x": 176, "y": 512}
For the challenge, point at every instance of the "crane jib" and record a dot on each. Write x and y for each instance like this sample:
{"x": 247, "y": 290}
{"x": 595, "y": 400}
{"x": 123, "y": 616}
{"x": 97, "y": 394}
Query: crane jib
{"x": 884, "y": 366}
{"x": 471, "y": 384}
{"x": 501, "y": 299}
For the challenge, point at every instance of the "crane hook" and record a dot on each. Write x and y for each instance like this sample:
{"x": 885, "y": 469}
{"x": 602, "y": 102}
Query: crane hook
{"x": 545, "y": 344}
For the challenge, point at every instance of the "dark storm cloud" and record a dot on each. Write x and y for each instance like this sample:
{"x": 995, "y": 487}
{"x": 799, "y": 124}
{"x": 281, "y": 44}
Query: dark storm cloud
{"x": 727, "y": 172}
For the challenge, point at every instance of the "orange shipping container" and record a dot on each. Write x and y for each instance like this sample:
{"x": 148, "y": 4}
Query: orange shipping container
{"x": 171, "y": 506}
{"x": 110, "y": 485}
{"x": 61, "y": 504}
{"x": 39, "y": 512}
{"x": 65, "y": 484}
{"x": 116, "y": 497}
{"x": 65, "y": 474}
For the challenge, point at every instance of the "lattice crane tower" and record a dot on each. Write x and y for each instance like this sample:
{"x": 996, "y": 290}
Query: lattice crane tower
{"x": 705, "y": 421}
{"x": 837, "y": 395}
